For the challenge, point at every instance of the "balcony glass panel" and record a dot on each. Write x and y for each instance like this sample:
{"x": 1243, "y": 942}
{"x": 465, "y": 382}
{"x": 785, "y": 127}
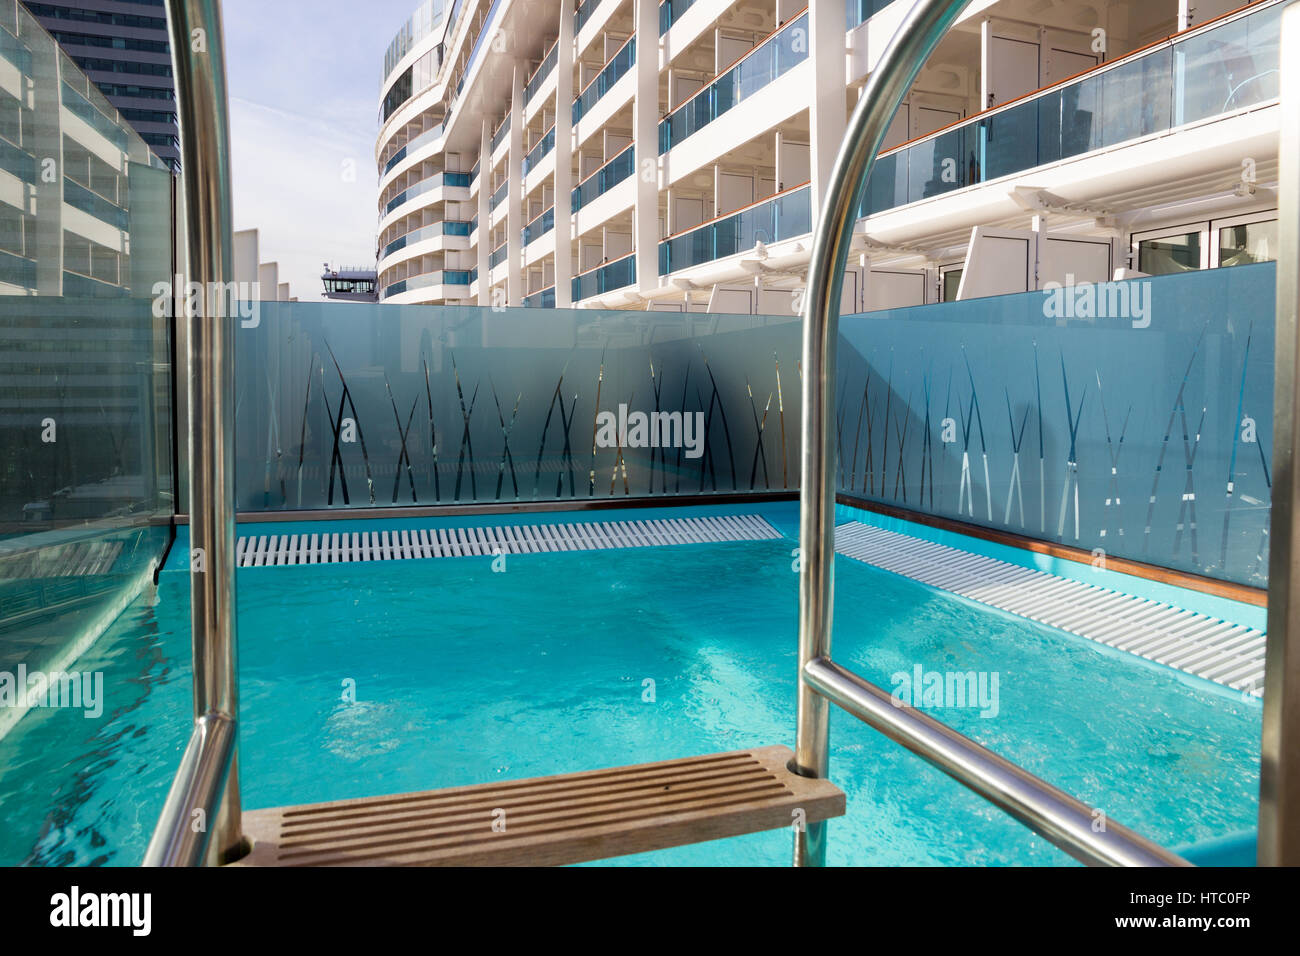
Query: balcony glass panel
{"x": 604, "y": 179}
{"x": 612, "y": 275}
{"x": 775, "y": 57}
{"x": 1224, "y": 67}
{"x": 781, "y": 217}
{"x": 613, "y": 71}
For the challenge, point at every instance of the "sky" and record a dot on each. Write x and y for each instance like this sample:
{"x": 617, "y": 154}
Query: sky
{"x": 304, "y": 80}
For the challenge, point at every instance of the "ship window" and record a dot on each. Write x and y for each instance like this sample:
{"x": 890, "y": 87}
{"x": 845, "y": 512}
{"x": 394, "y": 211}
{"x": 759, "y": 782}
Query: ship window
{"x": 1242, "y": 243}
{"x": 1169, "y": 254}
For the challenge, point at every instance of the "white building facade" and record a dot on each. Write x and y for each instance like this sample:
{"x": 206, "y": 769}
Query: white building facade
{"x": 669, "y": 155}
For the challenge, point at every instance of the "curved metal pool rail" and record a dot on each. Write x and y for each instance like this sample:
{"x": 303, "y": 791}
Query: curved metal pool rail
{"x": 1279, "y": 757}
{"x": 1066, "y": 822}
{"x": 200, "y": 822}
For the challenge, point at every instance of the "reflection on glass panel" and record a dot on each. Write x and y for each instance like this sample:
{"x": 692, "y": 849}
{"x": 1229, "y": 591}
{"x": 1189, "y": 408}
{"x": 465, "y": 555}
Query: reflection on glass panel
{"x": 1229, "y": 67}
{"x": 86, "y": 486}
{"x": 951, "y": 284}
{"x": 1010, "y": 140}
{"x": 1135, "y": 98}
{"x": 1011, "y": 358}
{"x": 1170, "y": 254}
{"x": 1249, "y": 242}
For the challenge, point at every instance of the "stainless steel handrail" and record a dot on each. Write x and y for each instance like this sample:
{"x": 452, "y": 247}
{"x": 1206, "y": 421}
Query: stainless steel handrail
{"x": 200, "y": 822}
{"x": 1045, "y": 809}
{"x": 1279, "y": 758}
{"x": 1086, "y": 834}
{"x": 182, "y": 836}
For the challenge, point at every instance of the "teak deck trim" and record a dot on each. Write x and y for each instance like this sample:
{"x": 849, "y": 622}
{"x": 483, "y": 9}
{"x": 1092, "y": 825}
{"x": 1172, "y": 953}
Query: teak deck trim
{"x": 549, "y": 821}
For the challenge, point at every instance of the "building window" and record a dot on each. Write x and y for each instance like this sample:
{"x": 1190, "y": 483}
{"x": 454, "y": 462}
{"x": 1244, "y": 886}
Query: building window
{"x": 1243, "y": 243}
{"x": 1164, "y": 255}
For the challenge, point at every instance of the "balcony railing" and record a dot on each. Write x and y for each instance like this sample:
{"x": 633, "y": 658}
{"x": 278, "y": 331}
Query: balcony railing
{"x": 1225, "y": 66}
{"x": 441, "y": 277}
{"x": 544, "y": 69}
{"x": 605, "y": 278}
{"x": 781, "y": 52}
{"x": 860, "y": 11}
{"x": 669, "y": 11}
{"x": 93, "y": 204}
{"x": 16, "y": 52}
{"x": 783, "y": 216}
{"x": 545, "y": 299}
{"x": 540, "y": 226}
{"x": 605, "y": 178}
{"x": 501, "y": 132}
{"x": 450, "y": 227}
{"x": 83, "y": 108}
{"x": 499, "y": 196}
{"x": 603, "y": 82}
{"x": 489, "y": 28}
{"x": 583, "y": 14}
{"x": 539, "y": 151}
{"x": 498, "y": 255}
{"x": 435, "y": 181}
{"x": 422, "y": 140}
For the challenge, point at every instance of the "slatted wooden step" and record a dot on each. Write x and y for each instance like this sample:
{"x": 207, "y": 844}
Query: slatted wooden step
{"x": 549, "y": 821}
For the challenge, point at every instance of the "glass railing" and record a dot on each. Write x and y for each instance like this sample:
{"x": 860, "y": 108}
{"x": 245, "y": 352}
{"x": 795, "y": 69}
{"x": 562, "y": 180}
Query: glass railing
{"x": 17, "y": 161}
{"x": 545, "y": 299}
{"x": 583, "y": 14}
{"x": 422, "y": 140}
{"x": 473, "y": 224}
{"x": 16, "y": 52}
{"x": 1062, "y": 459}
{"x": 773, "y": 58}
{"x": 81, "y": 107}
{"x": 453, "y": 448}
{"x": 669, "y": 11}
{"x": 441, "y": 277}
{"x": 611, "y": 73}
{"x": 425, "y": 185}
{"x": 860, "y": 11}
{"x": 17, "y": 270}
{"x": 540, "y": 226}
{"x": 498, "y": 255}
{"x": 539, "y": 151}
{"x": 604, "y": 179}
{"x": 501, "y": 133}
{"x": 473, "y": 274}
{"x": 499, "y": 196}
{"x": 449, "y": 227}
{"x": 544, "y": 69}
{"x": 473, "y": 172}
{"x": 93, "y": 204}
{"x": 88, "y": 478}
{"x": 606, "y": 278}
{"x": 1226, "y": 66}
{"x": 489, "y": 29}
{"x": 784, "y": 216}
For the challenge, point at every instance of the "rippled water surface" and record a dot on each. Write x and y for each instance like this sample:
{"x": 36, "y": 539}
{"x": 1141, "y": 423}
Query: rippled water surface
{"x": 463, "y": 675}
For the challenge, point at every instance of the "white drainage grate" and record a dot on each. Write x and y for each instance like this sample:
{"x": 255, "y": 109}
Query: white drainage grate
{"x": 263, "y": 550}
{"x": 1230, "y": 654}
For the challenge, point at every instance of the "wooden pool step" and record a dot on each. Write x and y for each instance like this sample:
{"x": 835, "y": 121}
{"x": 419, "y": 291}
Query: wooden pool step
{"x": 549, "y": 821}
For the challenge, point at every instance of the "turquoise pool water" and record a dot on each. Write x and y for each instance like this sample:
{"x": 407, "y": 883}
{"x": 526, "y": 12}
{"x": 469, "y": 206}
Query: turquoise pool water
{"x": 463, "y": 675}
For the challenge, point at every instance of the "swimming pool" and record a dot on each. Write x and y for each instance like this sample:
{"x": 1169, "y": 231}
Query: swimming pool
{"x": 463, "y": 674}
